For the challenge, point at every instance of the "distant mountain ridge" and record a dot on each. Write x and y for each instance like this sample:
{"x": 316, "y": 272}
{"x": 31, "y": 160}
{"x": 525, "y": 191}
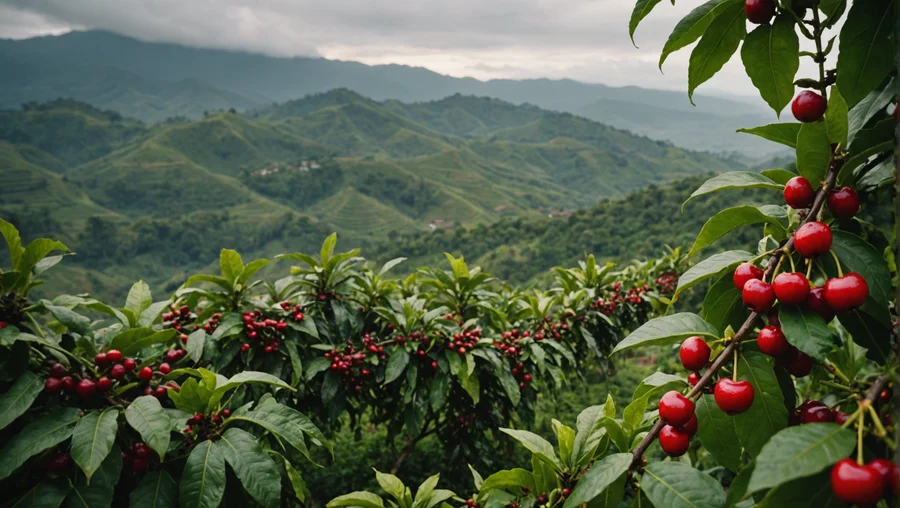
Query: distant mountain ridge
{"x": 280, "y": 179}
{"x": 153, "y": 81}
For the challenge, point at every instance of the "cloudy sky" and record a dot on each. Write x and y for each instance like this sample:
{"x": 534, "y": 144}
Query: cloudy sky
{"x": 585, "y": 40}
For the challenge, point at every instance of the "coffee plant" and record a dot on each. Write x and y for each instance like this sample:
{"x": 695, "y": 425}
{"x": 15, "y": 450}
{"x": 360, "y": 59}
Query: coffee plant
{"x": 786, "y": 397}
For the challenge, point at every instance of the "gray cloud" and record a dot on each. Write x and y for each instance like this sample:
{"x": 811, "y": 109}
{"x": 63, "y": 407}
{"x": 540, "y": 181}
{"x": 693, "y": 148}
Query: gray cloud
{"x": 580, "y": 39}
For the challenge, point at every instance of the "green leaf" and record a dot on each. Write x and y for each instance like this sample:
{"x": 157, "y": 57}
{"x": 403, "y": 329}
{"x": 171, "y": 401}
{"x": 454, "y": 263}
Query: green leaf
{"x": 565, "y": 439}
{"x": 297, "y": 482}
{"x": 867, "y": 108}
{"x": 602, "y": 474}
{"x": 72, "y": 320}
{"x": 719, "y": 42}
{"x": 813, "y": 151}
{"x": 782, "y": 176}
{"x": 361, "y": 499}
{"x": 327, "y": 248}
{"x": 657, "y": 383}
{"x": 723, "y": 305}
{"x": 677, "y": 485}
{"x": 737, "y": 491}
{"x": 806, "y": 331}
{"x": 692, "y": 26}
{"x": 139, "y": 298}
{"x": 47, "y": 494}
{"x": 713, "y": 266}
{"x": 251, "y": 269}
{"x": 20, "y": 397}
{"x": 667, "y": 330}
{"x": 396, "y": 365}
{"x": 641, "y": 9}
{"x": 869, "y": 333}
{"x": 732, "y": 218}
{"x": 508, "y": 479}
{"x": 440, "y": 388}
{"x": 836, "y": 118}
{"x": 735, "y": 180}
{"x": 231, "y": 264}
{"x": 222, "y": 282}
{"x": 800, "y": 451}
{"x": 99, "y": 494}
{"x": 34, "y": 253}
{"x": 192, "y": 397}
{"x": 296, "y": 366}
{"x": 256, "y": 471}
{"x": 423, "y": 493}
{"x": 537, "y": 445}
{"x": 470, "y": 384}
{"x": 771, "y": 56}
{"x": 633, "y": 415}
{"x": 509, "y": 384}
{"x": 809, "y": 492}
{"x": 715, "y": 429}
{"x": 194, "y": 346}
{"x": 131, "y": 342}
{"x": 13, "y": 243}
{"x": 146, "y": 416}
{"x": 156, "y": 490}
{"x": 391, "y": 484}
{"x": 866, "y": 48}
{"x": 784, "y": 133}
{"x": 242, "y": 378}
{"x": 93, "y": 439}
{"x": 287, "y": 424}
{"x": 39, "y": 435}
{"x": 590, "y": 429}
{"x": 203, "y": 478}
{"x": 767, "y": 415}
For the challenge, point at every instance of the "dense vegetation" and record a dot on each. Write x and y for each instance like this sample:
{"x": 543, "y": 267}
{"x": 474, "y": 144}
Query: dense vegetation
{"x": 146, "y": 201}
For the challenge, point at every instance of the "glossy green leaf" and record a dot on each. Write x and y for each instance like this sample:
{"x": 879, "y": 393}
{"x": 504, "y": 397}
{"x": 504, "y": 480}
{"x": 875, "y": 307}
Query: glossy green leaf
{"x": 779, "y": 175}
{"x": 255, "y": 470}
{"x": 20, "y": 396}
{"x": 810, "y": 492}
{"x": 767, "y": 415}
{"x": 423, "y": 493}
{"x": 192, "y": 397}
{"x": 730, "y": 219}
{"x": 713, "y": 266}
{"x": 250, "y": 270}
{"x": 692, "y": 26}
{"x": 800, "y": 451}
{"x": 565, "y": 440}
{"x": 203, "y": 479}
{"x": 510, "y": 385}
{"x": 100, "y": 492}
{"x": 288, "y": 424}
{"x": 869, "y": 333}
{"x": 231, "y": 264}
{"x": 39, "y": 435}
{"x": 396, "y": 365}
{"x": 784, "y": 133}
{"x": 147, "y": 417}
{"x": 867, "y": 108}
{"x": 718, "y": 43}
{"x": 194, "y": 346}
{"x": 771, "y": 56}
{"x": 590, "y": 429}
{"x": 723, "y": 305}
{"x": 47, "y": 494}
{"x": 641, "y": 9}
{"x": 806, "y": 331}
{"x": 156, "y": 490}
{"x": 540, "y": 447}
{"x": 737, "y": 491}
{"x": 390, "y": 484}
{"x": 93, "y": 439}
{"x": 361, "y": 499}
{"x": 678, "y": 485}
{"x": 508, "y": 479}
{"x": 131, "y": 342}
{"x": 667, "y": 330}
{"x": 715, "y": 429}
{"x": 243, "y": 378}
{"x": 139, "y": 298}
{"x": 601, "y": 476}
{"x": 658, "y": 383}
{"x": 866, "y": 48}
{"x": 836, "y": 118}
{"x": 735, "y": 180}
{"x": 813, "y": 151}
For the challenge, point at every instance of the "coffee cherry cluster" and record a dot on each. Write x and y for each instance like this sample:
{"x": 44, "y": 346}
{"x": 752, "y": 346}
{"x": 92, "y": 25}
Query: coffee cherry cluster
{"x": 295, "y": 312}
{"x": 201, "y": 426}
{"x": 677, "y": 411}
{"x": 522, "y": 376}
{"x": 212, "y": 323}
{"x": 466, "y": 341}
{"x": 667, "y": 283}
{"x": 267, "y": 333}
{"x": 181, "y": 319}
{"x": 351, "y": 365}
{"x": 138, "y": 457}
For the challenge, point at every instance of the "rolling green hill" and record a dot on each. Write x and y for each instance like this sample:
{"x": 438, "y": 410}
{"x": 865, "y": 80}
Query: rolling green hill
{"x": 153, "y": 81}
{"x": 155, "y": 199}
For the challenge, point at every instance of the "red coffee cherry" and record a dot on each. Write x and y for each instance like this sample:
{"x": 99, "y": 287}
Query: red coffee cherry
{"x": 847, "y": 292}
{"x": 104, "y": 384}
{"x": 799, "y": 193}
{"x": 694, "y": 353}
{"x": 816, "y": 414}
{"x": 843, "y": 202}
{"x": 759, "y": 11}
{"x": 114, "y": 355}
{"x": 58, "y": 370}
{"x": 791, "y": 288}
{"x": 758, "y": 296}
{"x": 890, "y": 473}
{"x": 86, "y": 388}
{"x": 855, "y": 484}
{"x": 816, "y": 303}
{"x": 129, "y": 364}
{"x": 53, "y": 385}
{"x": 675, "y": 409}
{"x": 771, "y": 341}
{"x": 808, "y": 106}
{"x": 745, "y": 272}
{"x": 812, "y": 239}
{"x": 691, "y": 426}
{"x": 674, "y": 442}
{"x": 145, "y": 374}
{"x": 694, "y": 378}
{"x": 733, "y": 397}
{"x": 117, "y": 371}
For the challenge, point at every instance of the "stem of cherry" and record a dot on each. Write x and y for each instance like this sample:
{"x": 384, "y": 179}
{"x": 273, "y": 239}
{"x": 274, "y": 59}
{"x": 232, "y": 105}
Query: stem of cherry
{"x": 859, "y": 437}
